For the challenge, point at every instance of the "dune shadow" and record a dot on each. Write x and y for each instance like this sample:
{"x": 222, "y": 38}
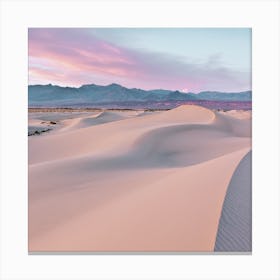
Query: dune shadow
{"x": 235, "y": 225}
{"x": 173, "y": 146}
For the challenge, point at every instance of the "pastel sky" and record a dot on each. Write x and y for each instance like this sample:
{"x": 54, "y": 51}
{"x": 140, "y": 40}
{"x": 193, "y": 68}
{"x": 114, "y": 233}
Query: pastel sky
{"x": 185, "y": 59}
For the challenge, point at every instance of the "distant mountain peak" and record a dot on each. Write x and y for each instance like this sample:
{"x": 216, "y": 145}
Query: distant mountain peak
{"x": 115, "y": 85}
{"x": 88, "y": 85}
{"x": 39, "y": 95}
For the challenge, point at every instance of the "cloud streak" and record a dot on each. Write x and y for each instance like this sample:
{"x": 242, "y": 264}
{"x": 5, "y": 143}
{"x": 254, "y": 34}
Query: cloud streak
{"x": 75, "y": 56}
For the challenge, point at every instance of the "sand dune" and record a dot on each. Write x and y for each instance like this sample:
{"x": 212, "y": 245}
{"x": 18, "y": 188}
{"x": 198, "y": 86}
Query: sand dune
{"x": 96, "y": 119}
{"x": 93, "y": 139}
{"x": 134, "y": 182}
{"x": 235, "y": 226}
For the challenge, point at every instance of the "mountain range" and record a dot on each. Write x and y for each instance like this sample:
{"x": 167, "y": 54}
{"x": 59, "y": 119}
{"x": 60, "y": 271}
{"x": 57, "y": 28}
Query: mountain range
{"x": 53, "y": 95}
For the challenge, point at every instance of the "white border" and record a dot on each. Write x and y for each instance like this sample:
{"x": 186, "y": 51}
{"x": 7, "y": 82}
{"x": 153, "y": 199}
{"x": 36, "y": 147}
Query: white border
{"x": 262, "y": 16}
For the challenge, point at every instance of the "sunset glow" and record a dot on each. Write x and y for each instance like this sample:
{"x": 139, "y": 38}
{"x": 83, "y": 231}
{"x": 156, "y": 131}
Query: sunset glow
{"x": 72, "y": 57}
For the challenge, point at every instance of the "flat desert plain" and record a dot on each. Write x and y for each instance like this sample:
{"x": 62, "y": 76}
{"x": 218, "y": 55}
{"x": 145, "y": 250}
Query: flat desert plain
{"x": 139, "y": 181}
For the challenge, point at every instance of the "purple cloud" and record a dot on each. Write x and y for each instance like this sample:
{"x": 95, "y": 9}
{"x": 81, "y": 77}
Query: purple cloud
{"x": 75, "y": 56}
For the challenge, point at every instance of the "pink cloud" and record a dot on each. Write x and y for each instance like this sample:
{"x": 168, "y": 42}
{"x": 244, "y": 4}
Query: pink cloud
{"x": 74, "y": 57}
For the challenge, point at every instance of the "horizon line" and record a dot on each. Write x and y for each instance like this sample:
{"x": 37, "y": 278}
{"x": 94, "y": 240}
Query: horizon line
{"x": 77, "y": 87}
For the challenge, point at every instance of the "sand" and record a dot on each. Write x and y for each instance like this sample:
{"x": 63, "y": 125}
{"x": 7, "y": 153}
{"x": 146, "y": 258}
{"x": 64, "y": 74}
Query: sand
{"x": 134, "y": 181}
{"x": 235, "y": 226}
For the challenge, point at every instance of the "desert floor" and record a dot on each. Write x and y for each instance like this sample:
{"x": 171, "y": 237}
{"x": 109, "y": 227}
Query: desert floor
{"x": 141, "y": 181}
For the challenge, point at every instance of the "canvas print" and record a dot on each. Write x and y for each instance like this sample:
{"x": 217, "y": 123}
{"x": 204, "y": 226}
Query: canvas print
{"x": 139, "y": 140}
